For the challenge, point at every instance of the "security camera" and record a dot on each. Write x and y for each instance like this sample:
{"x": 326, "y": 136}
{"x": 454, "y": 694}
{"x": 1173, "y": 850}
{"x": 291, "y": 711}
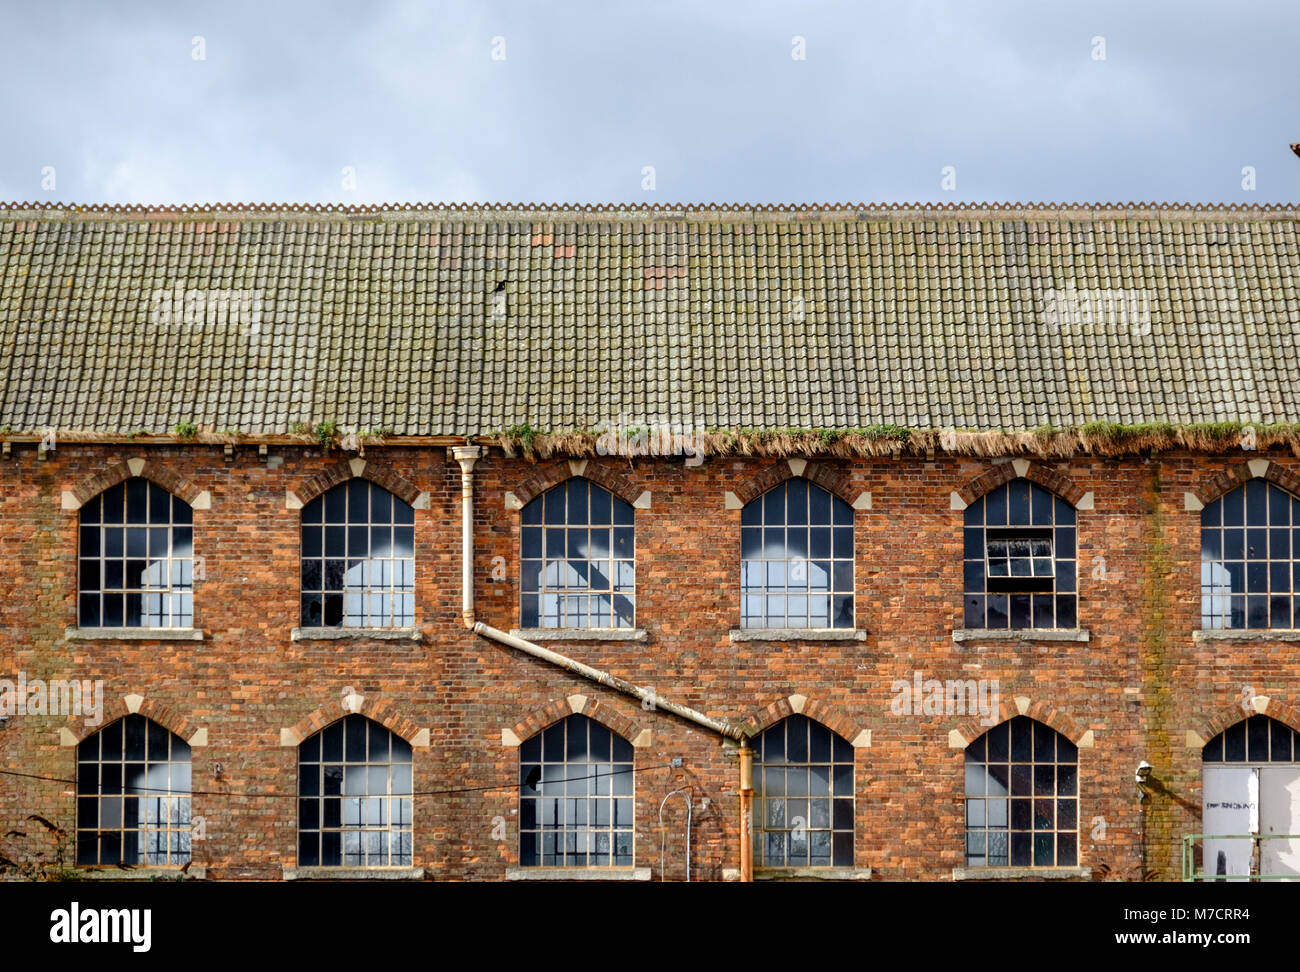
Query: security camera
{"x": 1143, "y": 772}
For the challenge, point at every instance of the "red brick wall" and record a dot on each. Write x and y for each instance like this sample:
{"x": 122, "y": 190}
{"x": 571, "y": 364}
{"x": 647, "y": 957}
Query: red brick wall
{"x": 1139, "y": 685}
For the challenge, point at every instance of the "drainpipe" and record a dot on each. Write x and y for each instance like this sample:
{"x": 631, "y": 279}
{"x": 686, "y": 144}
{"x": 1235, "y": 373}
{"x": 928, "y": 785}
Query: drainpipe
{"x": 746, "y": 812}
{"x": 654, "y": 700}
{"x": 467, "y": 456}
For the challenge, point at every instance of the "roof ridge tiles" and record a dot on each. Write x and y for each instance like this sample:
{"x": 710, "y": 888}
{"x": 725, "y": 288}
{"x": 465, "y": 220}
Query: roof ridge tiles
{"x": 586, "y": 211}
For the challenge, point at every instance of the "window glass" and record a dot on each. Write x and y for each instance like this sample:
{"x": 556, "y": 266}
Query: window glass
{"x": 1250, "y": 559}
{"x": 133, "y": 795}
{"x": 354, "y": 796}
{"x": 576, "y": 797}
{"x": 135, "y": 559}
{"x": 803, "y": 796}
{"x": 1022, "y": 797}
{"x": 1255, "y": 739}
{"x": 577, "y": 559}
{"x": 1020, "y": 569}
{"x": 358, "y": 558}
{"x": 796, "y": 559}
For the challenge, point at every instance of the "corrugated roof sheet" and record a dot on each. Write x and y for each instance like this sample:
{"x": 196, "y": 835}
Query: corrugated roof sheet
{"x": 468, "y": 320}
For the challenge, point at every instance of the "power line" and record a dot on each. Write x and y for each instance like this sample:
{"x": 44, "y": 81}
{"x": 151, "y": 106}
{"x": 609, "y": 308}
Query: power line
{"x": 145, "y": 790}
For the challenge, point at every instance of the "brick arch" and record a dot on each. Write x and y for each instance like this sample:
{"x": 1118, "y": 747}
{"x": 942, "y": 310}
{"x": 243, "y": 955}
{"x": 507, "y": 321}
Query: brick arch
{"x": 829, "y": 477}
{"x": 1228, "y": 479}
{"x": 834, "y": 718}
{"x": 157, "y": 473}
{"x": 120, "y": 707}
{"x": 376, "y": 708}
{"x": 549, "y": 476}
{"x": 377, "y": 472}
{"x": 1230, "y": 715}
{"x": 1045, "y": 476}
{"x": 608, "y": 715}
{"x": 1046, "y": 713}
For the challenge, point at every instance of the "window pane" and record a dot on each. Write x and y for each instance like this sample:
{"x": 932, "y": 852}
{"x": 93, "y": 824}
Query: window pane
{"x": 1038, "y": 764}
{"x": 150, "y": 826}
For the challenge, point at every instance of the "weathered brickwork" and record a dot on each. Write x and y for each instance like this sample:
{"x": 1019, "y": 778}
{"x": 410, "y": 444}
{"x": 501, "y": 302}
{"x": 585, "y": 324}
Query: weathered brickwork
{"x": 1134, "y": 691}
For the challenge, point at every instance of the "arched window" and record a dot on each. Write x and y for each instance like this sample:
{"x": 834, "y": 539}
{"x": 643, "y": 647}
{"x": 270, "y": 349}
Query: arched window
{"x": 1250, "y": 558}
{"x": 133, "y": 796}
{"x": 354, "y": 796}
{"x": 796, "y": 559}
{"x": 135, "y": 558}
{"x": 358, "y": 558}
{"x": 1020, "y": 560}
{"x": 578, "y": 551}
{"x": 1250, "y": 792}
{"x": 575, "y": 796}
{"x": 1256, "y": 739}
{"x": 803, "y": 796}
{"x": 1022, "y": 797}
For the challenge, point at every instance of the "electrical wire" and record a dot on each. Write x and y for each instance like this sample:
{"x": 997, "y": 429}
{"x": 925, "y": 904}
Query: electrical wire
{"x": 144, "y": 790}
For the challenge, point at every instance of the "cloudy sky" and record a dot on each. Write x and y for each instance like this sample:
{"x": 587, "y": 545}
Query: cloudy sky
{"x": 744, "y": 101}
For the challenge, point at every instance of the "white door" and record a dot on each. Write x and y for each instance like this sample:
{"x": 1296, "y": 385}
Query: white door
{"x": 1231, "y": 806}
{"x": 1279, "y": 813}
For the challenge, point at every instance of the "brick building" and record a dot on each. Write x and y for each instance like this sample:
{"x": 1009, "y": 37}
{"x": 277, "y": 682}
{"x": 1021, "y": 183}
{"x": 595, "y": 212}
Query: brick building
{"x": 946, "y": 520}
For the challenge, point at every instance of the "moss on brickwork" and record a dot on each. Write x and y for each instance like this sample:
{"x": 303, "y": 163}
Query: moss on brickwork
{"x": 1157, "y": 679}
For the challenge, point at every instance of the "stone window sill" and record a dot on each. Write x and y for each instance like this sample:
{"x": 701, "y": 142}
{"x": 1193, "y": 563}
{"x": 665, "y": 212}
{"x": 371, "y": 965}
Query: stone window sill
{"x": 962, "y": 635}
{"x": 355, "y": 634}
{"x": 73, "y": 633}
{"x": 798, "y": 634}
{"x": 353, "y": 873}
{"x": 577, "y": 874}
{"x": 1021, "y": 873}
{"x": 1246, "y": 634}
{"x": 580, "y": 634}
{"x": 812, "y": 874}
{"x": 139, "y": 874}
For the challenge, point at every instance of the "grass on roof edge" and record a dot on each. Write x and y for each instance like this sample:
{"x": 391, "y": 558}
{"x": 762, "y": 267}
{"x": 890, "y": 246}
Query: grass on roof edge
{"x": 1095, "y": 438}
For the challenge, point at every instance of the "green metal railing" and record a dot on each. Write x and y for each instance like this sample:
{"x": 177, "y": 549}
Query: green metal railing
{"x": 1190, "y": 873}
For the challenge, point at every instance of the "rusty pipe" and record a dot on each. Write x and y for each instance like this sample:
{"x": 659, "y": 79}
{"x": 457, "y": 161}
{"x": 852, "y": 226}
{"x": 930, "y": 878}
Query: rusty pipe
{"x": 746, "y": 812}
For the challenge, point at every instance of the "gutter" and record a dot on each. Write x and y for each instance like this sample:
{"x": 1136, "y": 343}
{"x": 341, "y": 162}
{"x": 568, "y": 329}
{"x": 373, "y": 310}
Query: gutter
{"x": 467, "y": 456}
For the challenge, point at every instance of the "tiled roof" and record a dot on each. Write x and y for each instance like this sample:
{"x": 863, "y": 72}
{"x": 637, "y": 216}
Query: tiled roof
{"x": 467, "y": 320}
